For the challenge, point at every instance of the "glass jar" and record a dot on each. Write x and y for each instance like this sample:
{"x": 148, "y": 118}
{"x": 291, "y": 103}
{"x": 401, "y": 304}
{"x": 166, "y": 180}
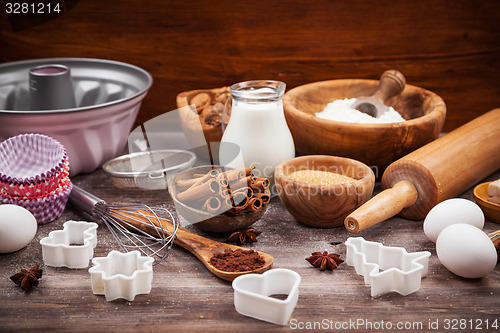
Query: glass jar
{"x": 258, "y": 127}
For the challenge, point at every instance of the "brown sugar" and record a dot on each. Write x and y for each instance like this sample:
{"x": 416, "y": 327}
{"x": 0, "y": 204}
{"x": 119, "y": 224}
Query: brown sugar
{"x": 318, "y": 177}
{"x": 237, "y": 260}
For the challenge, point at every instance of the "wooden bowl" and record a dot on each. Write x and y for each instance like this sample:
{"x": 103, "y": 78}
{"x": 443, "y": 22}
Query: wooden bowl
{"x": 376, "y": 145}
{"x": 205, "y": 221}
{"x": 323, "y": 206}
{"x": 193, "y": 122}
{"x": 491, "y": 210}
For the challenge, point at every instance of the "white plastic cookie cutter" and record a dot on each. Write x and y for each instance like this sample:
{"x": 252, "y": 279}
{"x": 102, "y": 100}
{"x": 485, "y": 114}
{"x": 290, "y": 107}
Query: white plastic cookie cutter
{"x": 387, "y": 268}
{"x": 71, "y": 247}
{"x": 252, "y": 295}
{"x": 121, "y": 275}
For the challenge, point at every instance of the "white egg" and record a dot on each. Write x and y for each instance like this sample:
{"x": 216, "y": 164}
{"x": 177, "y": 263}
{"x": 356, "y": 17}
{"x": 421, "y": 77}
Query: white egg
{"x": 466, "y": 251}
{"x": 452, "y": 211}
{"x": 17, "y": 228}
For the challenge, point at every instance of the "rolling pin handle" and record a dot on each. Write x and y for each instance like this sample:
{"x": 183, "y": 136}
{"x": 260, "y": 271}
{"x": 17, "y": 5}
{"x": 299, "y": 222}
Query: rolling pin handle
{"x": 384, "y": 205}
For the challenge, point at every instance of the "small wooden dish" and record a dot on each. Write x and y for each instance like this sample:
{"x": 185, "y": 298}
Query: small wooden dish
{"x": 193, "y": 122}
{"x": 221, "y": 223}
{"x": 323, "y": 206}
{"x": 373, "y": 144}
{"x": 491, "y": 210}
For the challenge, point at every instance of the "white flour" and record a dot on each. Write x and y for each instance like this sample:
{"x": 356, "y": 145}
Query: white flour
{"x": 341, "y": 110}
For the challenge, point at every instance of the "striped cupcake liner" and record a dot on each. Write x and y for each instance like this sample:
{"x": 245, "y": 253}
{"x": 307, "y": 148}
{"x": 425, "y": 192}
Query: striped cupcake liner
{"x": 45, "y": 209}
{"x": 34, "y": 190}
{"x": 30, "y": 158}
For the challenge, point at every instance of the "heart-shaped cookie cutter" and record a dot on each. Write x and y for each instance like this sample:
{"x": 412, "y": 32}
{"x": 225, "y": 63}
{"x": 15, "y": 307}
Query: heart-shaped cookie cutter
{"x": 252, "y": 295}
{"x": 387, "y": 268}
{"x": 121, "y": 275}
{"x": 71, "y": 247}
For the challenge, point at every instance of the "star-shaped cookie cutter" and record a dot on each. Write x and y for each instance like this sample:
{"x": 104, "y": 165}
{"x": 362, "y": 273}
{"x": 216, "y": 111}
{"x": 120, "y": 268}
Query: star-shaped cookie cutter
{"x": 71, "y": 247}
{"x": 121, "y": 275}
{"x": 387, "y": 268}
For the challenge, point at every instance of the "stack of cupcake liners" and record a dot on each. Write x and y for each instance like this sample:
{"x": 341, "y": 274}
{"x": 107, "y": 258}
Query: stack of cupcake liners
{"x": 34, "y": 174}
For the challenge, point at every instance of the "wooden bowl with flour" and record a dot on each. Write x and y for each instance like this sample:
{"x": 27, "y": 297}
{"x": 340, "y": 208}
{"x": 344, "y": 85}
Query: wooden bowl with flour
{"x": 376, "y": 145}
{"x": 336, "y": 187}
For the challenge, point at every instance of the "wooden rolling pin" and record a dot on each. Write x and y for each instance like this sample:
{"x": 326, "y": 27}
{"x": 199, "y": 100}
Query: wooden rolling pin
{"x": 440, "y": 170}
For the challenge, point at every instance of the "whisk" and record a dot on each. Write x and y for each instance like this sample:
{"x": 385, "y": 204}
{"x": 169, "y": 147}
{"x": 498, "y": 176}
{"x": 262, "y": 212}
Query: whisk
{"x": 150, "y": 230}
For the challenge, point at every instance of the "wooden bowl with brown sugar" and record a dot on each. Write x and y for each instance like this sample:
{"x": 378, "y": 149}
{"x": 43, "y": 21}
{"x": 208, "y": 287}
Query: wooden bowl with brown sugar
{"x": 376, "y": 145}
{"x": 320, "y": 190}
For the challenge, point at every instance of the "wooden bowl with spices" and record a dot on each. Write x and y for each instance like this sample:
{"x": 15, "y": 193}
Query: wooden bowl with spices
{"x": 375, "y": 144}
{"x": 217, "y": 203}
{"x": 204, "y": 109}
{"x": 320, "y": 190}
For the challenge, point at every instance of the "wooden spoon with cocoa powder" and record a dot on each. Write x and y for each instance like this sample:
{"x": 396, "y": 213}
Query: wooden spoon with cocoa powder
{"x": 203, "y": 248}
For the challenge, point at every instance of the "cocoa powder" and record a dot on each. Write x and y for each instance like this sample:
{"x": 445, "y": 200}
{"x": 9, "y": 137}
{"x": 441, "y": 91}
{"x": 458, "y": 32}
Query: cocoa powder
{"x": 237, "y": 260}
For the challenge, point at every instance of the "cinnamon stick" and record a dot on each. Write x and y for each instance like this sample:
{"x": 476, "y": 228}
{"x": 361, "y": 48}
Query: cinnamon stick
{"x": 212, "y": 205}
{"x": 247, "y": 191}
{"x": 242, "y": 182}
{"x": 260, "y": 185}
{"x": 254, "y": 204}
{"x": 211, "y": 174}
{"x": 240, "y": 199}
{"x": 223, "y": 182}
{"x": 233, "y": 175}
{"x": 226, "y": 204}
{"x": 225, "y": 193}
{"x": 198, "y": 175}
{"x": 186, "y": 183}
{"x": 266, "y": 198}
{"x": 194, "y": 193}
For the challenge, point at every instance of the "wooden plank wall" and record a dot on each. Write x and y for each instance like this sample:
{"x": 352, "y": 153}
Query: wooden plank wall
{"x": 449, "y": 47}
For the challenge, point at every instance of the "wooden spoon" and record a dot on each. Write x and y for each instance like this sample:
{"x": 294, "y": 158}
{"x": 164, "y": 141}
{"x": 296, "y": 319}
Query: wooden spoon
{"x": 392, "y": 83}
{"x": 203, "y": 248}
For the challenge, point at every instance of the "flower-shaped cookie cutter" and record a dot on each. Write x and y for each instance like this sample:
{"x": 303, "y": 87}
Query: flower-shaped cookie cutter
{"x": 121, "y": 275}
{"x": 387, "y": 268}
{"x": 71, "y": 247}
{"x": 252, "y": 295}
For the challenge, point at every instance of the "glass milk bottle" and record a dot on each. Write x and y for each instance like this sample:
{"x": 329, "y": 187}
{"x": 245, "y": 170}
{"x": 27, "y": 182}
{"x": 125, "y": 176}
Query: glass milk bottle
{"x": 258, "y": 127}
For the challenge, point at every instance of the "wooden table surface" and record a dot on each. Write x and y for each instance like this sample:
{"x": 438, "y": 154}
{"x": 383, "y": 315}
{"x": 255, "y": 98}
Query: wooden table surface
{"x": 186, "y": 297}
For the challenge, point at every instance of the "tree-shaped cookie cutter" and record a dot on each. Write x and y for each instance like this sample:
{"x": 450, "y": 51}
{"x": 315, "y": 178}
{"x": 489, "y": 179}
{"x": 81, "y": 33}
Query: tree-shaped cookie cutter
{"x": 121, "y": 275}
{"x": 71, "y": 247}
{"x": 387, "y": 268}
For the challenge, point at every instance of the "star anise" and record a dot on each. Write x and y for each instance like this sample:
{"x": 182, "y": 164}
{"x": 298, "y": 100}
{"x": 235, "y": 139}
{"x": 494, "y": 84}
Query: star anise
{"x": 27, "y": 279}
{"x": 244, "y": 236}
{"x": 325, "y": 260}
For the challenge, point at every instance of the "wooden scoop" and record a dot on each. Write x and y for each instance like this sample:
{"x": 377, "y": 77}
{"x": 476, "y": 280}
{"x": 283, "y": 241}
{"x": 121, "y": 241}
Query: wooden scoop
{"x": 392, "y": 83}
{"x": 203, "y": 248}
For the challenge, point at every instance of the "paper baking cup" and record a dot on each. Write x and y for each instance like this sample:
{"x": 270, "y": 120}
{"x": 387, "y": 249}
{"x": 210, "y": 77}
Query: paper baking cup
{"x": 35, "y": 190}
{"x": 30, "y": 158}
{"x": 36, "y": 194}
{"x": 45, "y": 209}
